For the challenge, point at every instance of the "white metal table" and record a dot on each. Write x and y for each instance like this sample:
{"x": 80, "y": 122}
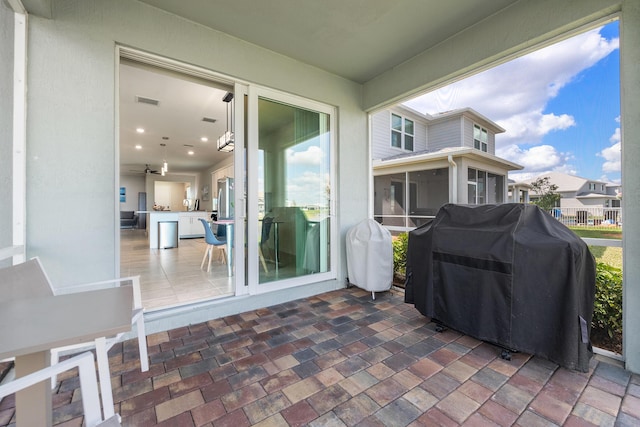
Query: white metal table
{"x": 31, "y": 327}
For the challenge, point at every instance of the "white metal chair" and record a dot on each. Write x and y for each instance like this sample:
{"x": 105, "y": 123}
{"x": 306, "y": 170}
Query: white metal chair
{"x": 104, "y": 344}
{"x": 29, "y": 279}
{"x": 88, "y": 387}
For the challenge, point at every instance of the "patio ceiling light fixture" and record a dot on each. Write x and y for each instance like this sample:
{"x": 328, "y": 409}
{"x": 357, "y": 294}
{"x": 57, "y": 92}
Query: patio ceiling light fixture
{"x": 226, "y": 141}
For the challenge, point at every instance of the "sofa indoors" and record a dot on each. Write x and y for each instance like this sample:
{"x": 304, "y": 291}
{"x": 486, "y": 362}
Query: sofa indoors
{"x": 128, "y": 219}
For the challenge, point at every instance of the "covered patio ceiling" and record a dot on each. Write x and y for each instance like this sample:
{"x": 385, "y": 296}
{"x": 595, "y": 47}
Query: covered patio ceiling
{"x": 357, "y": 39}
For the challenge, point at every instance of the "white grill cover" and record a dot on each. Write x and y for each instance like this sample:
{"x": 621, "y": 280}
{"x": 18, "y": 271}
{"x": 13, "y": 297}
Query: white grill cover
{"x": 370, "y": 256}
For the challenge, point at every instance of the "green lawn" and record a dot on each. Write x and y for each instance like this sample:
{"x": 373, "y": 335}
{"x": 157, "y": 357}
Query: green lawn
{"x": 607, "y": 255}
{"x": 597, "y": 234}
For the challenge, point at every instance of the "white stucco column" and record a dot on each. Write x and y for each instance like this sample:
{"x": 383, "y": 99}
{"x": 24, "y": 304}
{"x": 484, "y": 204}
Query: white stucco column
{"x": 630, "y": 127}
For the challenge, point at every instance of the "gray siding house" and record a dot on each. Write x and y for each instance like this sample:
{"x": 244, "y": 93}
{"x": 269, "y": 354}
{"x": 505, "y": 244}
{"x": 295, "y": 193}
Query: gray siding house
{"x": 421, "y": 162}
{"x": 583, "y": 200}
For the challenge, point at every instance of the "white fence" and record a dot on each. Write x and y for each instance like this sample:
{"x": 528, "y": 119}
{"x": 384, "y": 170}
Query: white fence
{"x": 599, "y": 217}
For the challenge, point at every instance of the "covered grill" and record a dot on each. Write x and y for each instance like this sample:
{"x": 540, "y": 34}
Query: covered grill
{"x": 508, "y": 274}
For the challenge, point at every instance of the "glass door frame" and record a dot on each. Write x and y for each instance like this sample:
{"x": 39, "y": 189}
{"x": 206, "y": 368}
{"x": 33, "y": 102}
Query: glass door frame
{"x": 250, "y": 204}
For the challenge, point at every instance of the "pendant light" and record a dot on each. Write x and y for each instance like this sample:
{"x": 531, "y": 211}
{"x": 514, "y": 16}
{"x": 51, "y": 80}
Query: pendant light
{"x": 165, "y": 165}
{"x": 226, "y": 141}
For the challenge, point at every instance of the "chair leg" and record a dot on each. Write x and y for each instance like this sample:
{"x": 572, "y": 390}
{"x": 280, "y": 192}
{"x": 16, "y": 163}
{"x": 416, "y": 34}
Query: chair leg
{"x": 204, "y": 257}
{"x": 142, "y": 345}
{"x": 223, "y": 251}
{"x": 210, "y": 256}
{"x": 264, "y": 263}
{"x": 105, "y": 377}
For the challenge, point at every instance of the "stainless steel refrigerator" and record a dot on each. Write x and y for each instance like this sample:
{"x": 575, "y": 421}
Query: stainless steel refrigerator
{"x": 225, "y": 198}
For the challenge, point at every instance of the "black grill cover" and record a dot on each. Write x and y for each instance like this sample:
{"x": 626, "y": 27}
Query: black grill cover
{"x": 509, "y": 274}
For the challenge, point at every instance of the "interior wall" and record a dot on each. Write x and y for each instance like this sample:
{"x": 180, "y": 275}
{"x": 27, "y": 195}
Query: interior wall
{"x": 153, "y": 180}
{"x": 6, "y": 124}
{"x": 133, "y": 185}
{"x": 71, "y": 122}
{"x": 170, "y": 194}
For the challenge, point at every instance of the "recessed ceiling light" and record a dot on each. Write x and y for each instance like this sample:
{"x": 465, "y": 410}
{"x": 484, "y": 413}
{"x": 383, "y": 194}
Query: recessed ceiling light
{"x": 204, "y": 139}
{"x": 190, "y": 152}
{"x": 140, "y": 130}
{"x": 138, "y": 147}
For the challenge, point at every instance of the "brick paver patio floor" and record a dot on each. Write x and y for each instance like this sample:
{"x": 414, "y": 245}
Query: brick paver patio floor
{"x": 341, "y": 359}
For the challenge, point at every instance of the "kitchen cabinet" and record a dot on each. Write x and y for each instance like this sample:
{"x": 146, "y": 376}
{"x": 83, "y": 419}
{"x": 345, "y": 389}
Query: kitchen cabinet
{"x": 189, "y": 224}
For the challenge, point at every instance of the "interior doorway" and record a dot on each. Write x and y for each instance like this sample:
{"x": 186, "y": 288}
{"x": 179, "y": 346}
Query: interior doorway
{"x": 171, "y": 117}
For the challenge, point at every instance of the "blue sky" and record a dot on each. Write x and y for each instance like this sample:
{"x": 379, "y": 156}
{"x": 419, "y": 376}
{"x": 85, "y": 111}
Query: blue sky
{"x": 560, "y": 106}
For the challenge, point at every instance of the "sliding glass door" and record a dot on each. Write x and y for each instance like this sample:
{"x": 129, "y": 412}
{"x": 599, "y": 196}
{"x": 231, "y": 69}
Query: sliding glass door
{"x": 293, "y": 178}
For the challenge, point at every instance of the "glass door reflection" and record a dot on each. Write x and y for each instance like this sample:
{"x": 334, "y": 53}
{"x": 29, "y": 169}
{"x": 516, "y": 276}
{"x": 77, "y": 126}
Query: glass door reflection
{"x": 294, "y": 190}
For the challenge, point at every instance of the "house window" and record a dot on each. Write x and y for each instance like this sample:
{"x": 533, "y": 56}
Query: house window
{"x": 484, "y": 187}
{"x": 592, "y": 186}
{"x": 401, "y": 132}
{"x": 480, "y": 138}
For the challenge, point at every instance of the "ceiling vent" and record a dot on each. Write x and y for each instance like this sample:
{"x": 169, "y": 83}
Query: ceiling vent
{"x": 209, "y": 120}
{"x": 150, "y": 101}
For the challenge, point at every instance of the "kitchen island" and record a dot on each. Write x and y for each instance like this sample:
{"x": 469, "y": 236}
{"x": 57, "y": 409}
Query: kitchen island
{"x": 188, "y": 224}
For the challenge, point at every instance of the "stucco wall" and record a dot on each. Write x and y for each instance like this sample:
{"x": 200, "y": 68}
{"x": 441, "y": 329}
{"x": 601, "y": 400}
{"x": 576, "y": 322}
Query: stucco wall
{"x": 71, "y": 188}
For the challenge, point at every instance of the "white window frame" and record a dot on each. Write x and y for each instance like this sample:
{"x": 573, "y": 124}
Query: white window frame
{"x": 481, "y": 145}
{"x": 403, "y": 132}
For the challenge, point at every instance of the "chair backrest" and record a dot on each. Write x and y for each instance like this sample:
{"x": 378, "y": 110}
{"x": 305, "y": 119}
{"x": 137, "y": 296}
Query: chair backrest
{"x": 88, "y": 385}
{"x": 267, "y": 222}
{"x": 25, "y": 280}
{"x": 134, "y": 281}
{"x": 209, "y": 237}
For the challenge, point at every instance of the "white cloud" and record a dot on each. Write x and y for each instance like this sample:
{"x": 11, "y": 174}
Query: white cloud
{"x": 308, "y": 189}
{"x": 532, "y": 126}
{"x": 612, "y": 155}
{"x": 536, "y": 159}
{"x": 523, "y": 85}
{"x": 311, "y": 157}
{"x": 515, "y": 95}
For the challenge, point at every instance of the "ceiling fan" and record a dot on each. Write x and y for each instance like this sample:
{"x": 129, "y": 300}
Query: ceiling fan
{"x": 147, "y": 170}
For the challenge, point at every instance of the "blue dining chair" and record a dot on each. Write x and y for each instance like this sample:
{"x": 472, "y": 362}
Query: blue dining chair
{"x": 212, "y": 241}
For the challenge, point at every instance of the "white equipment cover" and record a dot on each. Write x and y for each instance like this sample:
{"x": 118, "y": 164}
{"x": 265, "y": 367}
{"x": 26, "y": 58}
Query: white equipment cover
{"x": 370, "y": 256}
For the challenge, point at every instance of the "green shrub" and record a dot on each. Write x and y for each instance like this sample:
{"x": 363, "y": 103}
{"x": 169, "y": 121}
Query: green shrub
{"x": 400, "y": 253}
{"x": 607, "y": 309}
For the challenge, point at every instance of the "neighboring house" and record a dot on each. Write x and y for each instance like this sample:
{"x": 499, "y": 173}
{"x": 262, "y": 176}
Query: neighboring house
{"x": 578, "y": 192}
{"x": 583, "y": 198}
{"x": 519, "y": 192}
{"x": 421, "y": 162}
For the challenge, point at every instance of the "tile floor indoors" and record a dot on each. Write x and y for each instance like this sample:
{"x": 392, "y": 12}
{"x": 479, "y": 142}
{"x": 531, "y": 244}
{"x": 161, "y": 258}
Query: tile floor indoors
{"x": 341, "y": 359}
{"x": 170, "y": 277}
